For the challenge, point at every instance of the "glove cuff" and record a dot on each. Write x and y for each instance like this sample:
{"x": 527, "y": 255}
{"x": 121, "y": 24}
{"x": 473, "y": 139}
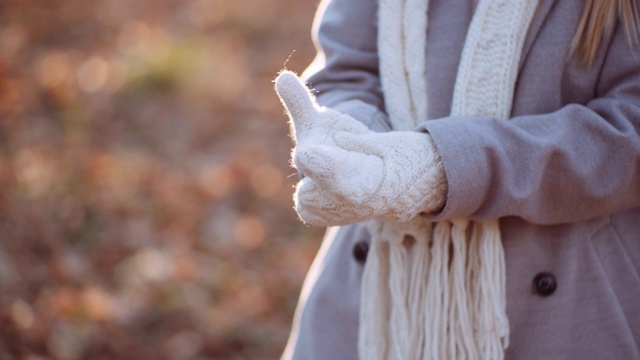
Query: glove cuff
{"x": 435, "y": 185}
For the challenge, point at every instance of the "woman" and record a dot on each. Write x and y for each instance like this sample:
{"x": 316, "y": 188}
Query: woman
{"x": 504, "y": 205}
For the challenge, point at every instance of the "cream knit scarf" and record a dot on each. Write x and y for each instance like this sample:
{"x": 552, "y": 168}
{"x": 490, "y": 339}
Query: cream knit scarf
{"x": 437, "y": 290}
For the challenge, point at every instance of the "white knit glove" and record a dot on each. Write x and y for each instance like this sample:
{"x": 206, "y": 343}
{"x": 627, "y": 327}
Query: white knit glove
{"x": 354, "y": 174}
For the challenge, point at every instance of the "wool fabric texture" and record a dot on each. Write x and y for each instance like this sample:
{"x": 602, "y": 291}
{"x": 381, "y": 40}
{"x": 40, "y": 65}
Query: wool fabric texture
{"x": 437, "y": 290}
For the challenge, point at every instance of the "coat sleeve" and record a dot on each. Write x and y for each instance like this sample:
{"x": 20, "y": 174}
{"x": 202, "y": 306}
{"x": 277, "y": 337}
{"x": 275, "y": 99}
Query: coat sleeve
{"x": 579, "y": 162}
{"x": 344, "y": 73}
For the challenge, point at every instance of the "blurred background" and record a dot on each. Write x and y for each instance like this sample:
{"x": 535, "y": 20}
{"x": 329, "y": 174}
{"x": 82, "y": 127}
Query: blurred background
{"x": 145, "y": 192}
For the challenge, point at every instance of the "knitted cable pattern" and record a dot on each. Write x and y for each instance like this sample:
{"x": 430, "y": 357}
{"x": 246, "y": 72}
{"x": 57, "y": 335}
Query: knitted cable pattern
{"x": 390, "y": 176}
{"x": 437, "y": 290}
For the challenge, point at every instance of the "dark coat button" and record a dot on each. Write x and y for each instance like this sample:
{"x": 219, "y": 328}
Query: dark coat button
{"x": 544, "y": 284}
{"x": 360, "y": 250}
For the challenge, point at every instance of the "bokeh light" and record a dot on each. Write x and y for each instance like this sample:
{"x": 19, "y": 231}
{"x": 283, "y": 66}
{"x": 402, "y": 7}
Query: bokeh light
{"x": 145, "y": 189}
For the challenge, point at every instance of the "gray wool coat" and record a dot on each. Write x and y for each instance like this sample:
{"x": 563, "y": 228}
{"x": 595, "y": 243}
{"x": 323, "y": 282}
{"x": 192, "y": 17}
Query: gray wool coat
{"x": 562, "y": 175}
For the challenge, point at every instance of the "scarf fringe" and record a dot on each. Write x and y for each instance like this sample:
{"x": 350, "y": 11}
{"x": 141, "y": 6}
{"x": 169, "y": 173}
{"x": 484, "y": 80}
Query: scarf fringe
{"x": 375, "y": 307}
{"x": 457, "y": 313}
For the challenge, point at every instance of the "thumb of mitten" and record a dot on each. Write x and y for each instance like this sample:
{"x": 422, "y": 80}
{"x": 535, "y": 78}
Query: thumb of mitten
{"x": 298, "y": 101}
{"x": 308, "y": 202}
{"x": 316, "y": 206}
{"x": 367, "y": 143}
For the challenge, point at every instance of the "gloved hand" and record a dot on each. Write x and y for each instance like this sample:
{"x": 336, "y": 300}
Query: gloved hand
{"x": 354, "y": 174}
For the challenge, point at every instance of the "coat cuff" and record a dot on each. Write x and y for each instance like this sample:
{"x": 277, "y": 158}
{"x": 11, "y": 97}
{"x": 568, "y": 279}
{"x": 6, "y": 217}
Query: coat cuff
{"x": 468, "y": 180}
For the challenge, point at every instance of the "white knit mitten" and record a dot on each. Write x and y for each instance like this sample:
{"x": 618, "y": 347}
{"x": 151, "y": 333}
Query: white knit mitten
{"x": 388, "y": 176}
{"x": 354, "y": 174}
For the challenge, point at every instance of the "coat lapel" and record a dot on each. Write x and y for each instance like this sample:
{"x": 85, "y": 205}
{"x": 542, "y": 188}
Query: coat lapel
{"x": 544, "y": 7}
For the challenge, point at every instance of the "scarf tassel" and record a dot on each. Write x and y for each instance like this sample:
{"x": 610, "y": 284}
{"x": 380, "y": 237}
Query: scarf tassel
{"x": 452, "y": 315}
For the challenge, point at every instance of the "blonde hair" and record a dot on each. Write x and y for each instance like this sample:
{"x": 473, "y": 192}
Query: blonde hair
{"x": 598, "y": 19}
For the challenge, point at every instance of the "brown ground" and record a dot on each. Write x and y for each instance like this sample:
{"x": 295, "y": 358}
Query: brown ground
{"x": 145, "y": 192}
